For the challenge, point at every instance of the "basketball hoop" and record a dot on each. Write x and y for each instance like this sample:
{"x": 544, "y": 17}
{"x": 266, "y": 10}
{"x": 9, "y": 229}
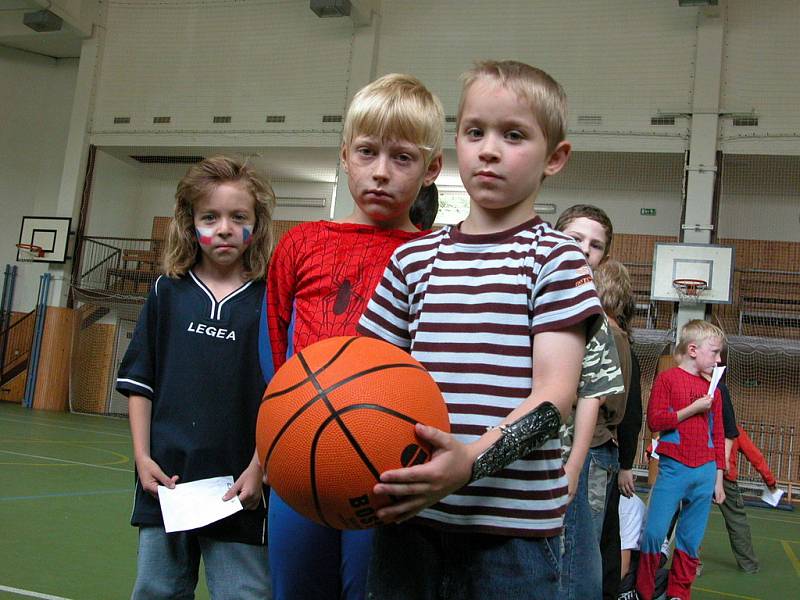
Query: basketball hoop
{"x": 30, "y": 251}
{"x": 690, "y": 291}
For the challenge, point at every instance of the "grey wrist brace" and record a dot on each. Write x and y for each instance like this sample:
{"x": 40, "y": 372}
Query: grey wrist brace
{"x": 517, "y": 440}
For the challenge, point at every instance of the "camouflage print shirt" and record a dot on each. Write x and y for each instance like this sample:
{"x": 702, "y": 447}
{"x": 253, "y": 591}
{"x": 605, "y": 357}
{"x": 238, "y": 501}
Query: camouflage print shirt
{"x": 601, "y": 375}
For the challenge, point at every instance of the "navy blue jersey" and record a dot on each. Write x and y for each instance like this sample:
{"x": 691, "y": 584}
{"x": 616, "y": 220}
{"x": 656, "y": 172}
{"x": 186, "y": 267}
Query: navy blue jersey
{"x": 197, "y": 360}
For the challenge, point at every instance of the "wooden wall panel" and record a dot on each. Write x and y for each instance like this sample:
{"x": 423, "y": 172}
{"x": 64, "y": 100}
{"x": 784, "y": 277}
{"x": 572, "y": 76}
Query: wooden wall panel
{"x": 764, "y": 254}
{"x": 635, "y": 248}
{"x": 52, "y": 381}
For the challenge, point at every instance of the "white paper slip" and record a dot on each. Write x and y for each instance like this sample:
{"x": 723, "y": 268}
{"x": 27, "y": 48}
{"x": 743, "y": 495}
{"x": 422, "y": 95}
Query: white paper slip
{"x": 771, "y": 497}
{"x": 653, "y": 452}
{"x": 197, "y": 503}
{"x": 712, "y": 387}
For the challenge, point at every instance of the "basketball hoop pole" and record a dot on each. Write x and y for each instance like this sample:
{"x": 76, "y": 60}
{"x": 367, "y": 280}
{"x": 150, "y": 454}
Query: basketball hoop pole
{"x": 689, "y": 312}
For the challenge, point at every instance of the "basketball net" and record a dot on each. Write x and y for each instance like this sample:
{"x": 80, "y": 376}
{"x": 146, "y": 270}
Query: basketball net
{"x": 29, "y": 252}
{"x": 690, "y": 291}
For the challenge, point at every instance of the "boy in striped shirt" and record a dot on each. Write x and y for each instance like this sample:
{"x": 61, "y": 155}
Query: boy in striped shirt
{"x": 489, "y": 306}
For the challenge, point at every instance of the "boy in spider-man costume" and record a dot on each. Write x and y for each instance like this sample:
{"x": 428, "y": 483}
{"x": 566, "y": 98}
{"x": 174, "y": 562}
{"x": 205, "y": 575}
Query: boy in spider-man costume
{"x": 320, "y": 278}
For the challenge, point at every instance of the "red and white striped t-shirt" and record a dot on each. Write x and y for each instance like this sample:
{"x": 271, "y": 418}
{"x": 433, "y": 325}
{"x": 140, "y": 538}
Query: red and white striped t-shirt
{"x": 467, "y": 307}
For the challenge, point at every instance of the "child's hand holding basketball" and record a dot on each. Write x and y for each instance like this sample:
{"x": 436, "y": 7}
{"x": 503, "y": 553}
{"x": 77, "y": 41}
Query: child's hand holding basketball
{"x": 151, "y": 476}
{"x": 421, "y": 486}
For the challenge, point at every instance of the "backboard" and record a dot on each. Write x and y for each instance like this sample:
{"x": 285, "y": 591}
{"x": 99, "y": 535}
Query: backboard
{"x": 711, "y": 263}
{"x": 49, "y": 233}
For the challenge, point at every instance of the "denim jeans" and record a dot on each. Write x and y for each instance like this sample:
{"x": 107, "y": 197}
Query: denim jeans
{"x": 415, "y": 562}
{"x": 603, "y": 469}
{"x": 581, "y": 569}
{"x": 168, "y": 566}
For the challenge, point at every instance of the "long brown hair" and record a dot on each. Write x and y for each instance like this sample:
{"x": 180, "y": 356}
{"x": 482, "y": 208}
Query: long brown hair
{"x": 614, "y": 287}
{"x": 182, "y": 250}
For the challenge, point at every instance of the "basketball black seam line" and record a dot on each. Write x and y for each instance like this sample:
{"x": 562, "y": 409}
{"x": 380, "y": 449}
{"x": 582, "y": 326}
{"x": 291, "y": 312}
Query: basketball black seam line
{"x": 364, "y": 459}
{"x": 347, "y": 433}
{"x": 314, "y": 493}
{"x": 299, "y": 412}
{"x": 333, "y": 358}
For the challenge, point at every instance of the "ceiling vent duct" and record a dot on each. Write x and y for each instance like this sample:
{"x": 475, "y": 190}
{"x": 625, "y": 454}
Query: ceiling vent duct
{"x": 662, "y": 120}
{"x": 745, "y": 121}
{"x": 331, "y": 8}
{"x": 698, "y": 2}
{"x": 592, "y": 120}
{"x": 42, "y": 21}
{"x": 167, "y": 160}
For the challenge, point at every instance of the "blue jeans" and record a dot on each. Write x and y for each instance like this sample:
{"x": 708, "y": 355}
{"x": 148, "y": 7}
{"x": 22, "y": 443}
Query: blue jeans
{"x": 415, "y": 562}
{"x": 309, "y": 560}
{"x": 581, "y": 568}
{"x": 168, "y": 566}
{"x": 603, "y": 470}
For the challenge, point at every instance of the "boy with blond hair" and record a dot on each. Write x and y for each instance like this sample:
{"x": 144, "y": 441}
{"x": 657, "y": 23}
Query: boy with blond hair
{"x": 489, "y": 307}
{"x": 320, "y": 278}
{"x": 692, "y": 458}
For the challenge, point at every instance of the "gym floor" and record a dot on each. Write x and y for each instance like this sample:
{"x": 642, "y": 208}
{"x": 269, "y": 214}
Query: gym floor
{"x": 66, "y": 485}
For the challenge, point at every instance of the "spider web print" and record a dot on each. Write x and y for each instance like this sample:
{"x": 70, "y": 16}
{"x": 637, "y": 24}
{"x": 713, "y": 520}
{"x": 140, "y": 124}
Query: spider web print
{"x": 329, "y": 277}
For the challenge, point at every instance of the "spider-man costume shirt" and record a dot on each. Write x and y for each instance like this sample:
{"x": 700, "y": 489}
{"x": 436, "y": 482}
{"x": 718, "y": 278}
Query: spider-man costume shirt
{"x": 320, "y": 278}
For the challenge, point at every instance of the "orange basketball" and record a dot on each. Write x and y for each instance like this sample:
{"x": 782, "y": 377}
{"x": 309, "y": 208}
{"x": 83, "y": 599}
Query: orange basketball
{"x": 336, "y": 416}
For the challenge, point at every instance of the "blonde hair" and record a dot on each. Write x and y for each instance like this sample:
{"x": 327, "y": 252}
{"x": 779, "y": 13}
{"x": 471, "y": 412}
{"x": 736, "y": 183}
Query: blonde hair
{"x": 546, "y": 97}
{"x": 614, "y": 287}
{"x": 182, "y": 250}
{"x": 697, "y": 331}
{"x": 397, "y": 107}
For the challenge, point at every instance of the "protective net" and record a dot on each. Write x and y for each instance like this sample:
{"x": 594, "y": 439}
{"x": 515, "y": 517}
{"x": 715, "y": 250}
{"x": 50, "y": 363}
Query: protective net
{"x": 652, "y": 348}
{"x": 763, "y": 322}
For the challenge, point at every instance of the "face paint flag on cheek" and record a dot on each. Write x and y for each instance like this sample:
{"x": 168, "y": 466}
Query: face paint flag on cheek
{"x": 205, "y": 235}
{"x": 247, "y": 235}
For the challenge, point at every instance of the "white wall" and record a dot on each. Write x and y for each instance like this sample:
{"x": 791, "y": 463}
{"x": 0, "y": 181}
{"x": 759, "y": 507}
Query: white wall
{"x": 36, "y": 99}
{"x": 195, "y": 60}
{"x": 760, "y": 198}
{"x": 115, "y": 204}
{"x": 599, "y": 54}
{"x": 761, "y": 75}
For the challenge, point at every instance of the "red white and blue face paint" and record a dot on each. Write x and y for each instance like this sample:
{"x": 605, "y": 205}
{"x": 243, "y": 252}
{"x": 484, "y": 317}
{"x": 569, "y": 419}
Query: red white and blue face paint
{"x": 224, "y": 222}
{"x": 205, "y": 235}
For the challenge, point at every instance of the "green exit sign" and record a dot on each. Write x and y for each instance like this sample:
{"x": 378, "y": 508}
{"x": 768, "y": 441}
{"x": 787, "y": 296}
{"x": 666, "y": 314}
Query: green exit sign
{"x": 647, "y": 212}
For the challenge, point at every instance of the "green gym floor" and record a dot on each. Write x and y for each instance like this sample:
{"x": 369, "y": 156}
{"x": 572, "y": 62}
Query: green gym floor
{"x": 65, "y": 500}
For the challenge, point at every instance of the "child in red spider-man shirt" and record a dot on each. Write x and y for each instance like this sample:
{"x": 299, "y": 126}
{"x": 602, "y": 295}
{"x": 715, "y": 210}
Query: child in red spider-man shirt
{"x": 692, "y": 458}
{"x": 320, "y": 278}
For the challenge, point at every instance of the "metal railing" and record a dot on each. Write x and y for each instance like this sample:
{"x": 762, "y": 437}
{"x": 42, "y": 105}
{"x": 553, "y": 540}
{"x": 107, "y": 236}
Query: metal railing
{"x": 119, "y": 266}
